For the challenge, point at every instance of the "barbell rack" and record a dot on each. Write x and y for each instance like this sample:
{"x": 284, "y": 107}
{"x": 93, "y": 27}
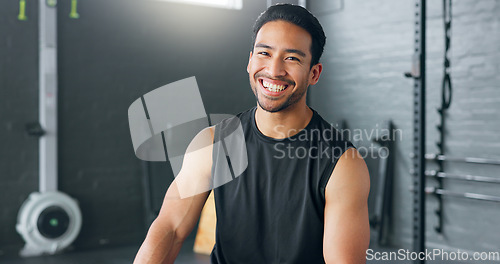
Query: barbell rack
{"x": 474, "y": 196}
{"x": 467, "y": 177}
{"x": 439, "y": 157}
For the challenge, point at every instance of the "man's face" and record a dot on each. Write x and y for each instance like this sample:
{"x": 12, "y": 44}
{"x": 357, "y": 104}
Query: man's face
{"x": 279, "y": 66}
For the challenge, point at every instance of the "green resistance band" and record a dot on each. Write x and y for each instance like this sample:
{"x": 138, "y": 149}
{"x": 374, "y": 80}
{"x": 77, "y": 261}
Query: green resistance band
{"x": 51, "y": 3}
{"x": 22, "y": 10}
{"x": 74, "y": 14}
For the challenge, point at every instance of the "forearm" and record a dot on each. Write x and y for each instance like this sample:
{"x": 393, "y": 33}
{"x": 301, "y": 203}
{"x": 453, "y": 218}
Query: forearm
{"x": 160, "y": 246}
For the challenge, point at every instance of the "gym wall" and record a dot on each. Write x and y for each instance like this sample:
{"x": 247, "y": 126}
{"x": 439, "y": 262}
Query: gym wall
{"x": 115, "y": 52}
{"x": 369, "y": 47}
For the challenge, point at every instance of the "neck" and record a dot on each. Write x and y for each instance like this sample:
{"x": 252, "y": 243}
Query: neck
{"x": 284, "y": 123}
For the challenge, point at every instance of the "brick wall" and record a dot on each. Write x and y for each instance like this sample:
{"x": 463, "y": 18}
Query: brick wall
{"x": 369, "y": 47}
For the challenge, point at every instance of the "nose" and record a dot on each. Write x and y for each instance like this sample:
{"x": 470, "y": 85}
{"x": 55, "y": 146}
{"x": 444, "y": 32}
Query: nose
{"x": 276, "y": 68}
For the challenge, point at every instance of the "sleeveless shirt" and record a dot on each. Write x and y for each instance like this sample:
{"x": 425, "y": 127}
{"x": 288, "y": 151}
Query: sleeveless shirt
{"x": 274, "y": 211}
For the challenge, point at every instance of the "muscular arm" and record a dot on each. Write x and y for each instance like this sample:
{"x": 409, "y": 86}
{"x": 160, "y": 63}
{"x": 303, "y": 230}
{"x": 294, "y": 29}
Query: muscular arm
{"x": 179, "y": 214}
{"x": 347, "y": 230}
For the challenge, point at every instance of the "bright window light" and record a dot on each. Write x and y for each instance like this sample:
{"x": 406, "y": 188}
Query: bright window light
{"x": 230, "y": 4}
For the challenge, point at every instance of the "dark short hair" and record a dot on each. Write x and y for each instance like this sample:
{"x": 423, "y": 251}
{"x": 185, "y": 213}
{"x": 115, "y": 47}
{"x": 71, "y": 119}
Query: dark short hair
{"x": 299, "y": 16}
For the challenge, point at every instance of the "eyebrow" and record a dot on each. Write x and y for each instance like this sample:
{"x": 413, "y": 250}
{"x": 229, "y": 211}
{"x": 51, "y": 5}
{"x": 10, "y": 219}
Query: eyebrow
{"x": 296, "y": 51}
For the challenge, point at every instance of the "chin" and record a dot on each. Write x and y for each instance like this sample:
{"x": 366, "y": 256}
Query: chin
{"x": 273, "y": 109}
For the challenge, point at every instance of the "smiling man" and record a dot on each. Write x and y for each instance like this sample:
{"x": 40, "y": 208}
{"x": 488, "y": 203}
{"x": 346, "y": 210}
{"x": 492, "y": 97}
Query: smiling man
{"x": 303, "y": 197}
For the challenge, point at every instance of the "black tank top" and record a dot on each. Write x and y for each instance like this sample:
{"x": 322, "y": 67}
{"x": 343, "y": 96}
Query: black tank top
{"x": 273, "y": 212}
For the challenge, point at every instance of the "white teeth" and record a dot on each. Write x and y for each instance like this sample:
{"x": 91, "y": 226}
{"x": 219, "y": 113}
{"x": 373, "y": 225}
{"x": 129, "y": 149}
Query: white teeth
{"x": 273, "y": 87}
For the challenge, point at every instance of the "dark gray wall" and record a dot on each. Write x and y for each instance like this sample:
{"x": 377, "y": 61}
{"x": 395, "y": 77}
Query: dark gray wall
{"x": 115, "y": 52}
{"x": 18, "y": 105}
{"x": 369, "y": 47}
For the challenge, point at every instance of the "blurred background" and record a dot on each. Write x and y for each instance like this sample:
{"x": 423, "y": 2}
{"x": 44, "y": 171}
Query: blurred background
{"x": 115, "y": 51}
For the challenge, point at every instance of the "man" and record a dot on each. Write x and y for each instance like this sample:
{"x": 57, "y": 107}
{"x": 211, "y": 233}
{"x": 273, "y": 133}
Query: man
{"x": 303, "y": 196}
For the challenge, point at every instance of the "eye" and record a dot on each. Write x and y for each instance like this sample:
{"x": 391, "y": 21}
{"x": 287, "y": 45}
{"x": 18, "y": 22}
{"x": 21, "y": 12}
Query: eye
{"x": 293, "y": 59}
{"x": 263, "y": 53}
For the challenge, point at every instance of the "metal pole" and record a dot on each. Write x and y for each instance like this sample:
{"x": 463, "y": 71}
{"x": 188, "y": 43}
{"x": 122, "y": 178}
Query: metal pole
{"x": 418, "y": 74}
{"x": 438, "y": 157}
{"x": 474, "y": 196}
{"x": 473, "y": 178}
{"x": 48, "y": 96}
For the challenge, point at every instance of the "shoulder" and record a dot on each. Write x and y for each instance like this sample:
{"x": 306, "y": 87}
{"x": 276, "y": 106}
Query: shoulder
{"x": 345, "y": 159}
{"x": 203, "y": 139}
{"x": 350, "y": 176}
{"x": 227, "y": 123}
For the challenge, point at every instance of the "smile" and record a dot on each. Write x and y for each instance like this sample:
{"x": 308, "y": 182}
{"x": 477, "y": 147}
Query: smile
{"x": 272, "y": 87}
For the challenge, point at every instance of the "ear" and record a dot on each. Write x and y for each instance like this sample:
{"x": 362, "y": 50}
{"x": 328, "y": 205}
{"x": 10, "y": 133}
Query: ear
{"x": 315, "y": 73}
{"x": 249, "y": 60}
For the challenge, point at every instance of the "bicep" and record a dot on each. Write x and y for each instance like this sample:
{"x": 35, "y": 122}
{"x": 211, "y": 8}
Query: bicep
{"x": 347, "y": 231}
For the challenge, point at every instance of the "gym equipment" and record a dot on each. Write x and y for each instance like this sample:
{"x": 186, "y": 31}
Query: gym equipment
{"x": 49, "y": 220}
{"x": 383, "y": 206}
{"x": 22, "y": 10}
{"x": 74, "y": 14}
{"x": 419, "y": 156}
{"x": 419, "y": 76}
{"x": 51, "y": 3}
{"x": 439, "y": 157}
{"x": 446, "y": 93}
{"x": 380, "y": 219}
{"x": 439, "y": 192}
{"x": 473, "y": 160}
{"x": 474, "y": 178}
{"x": 474, "y": 196}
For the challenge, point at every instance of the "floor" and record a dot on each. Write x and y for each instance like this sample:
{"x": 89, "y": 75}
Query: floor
{"x": 119, "y": 255}
{"x": 126, "y": 254}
